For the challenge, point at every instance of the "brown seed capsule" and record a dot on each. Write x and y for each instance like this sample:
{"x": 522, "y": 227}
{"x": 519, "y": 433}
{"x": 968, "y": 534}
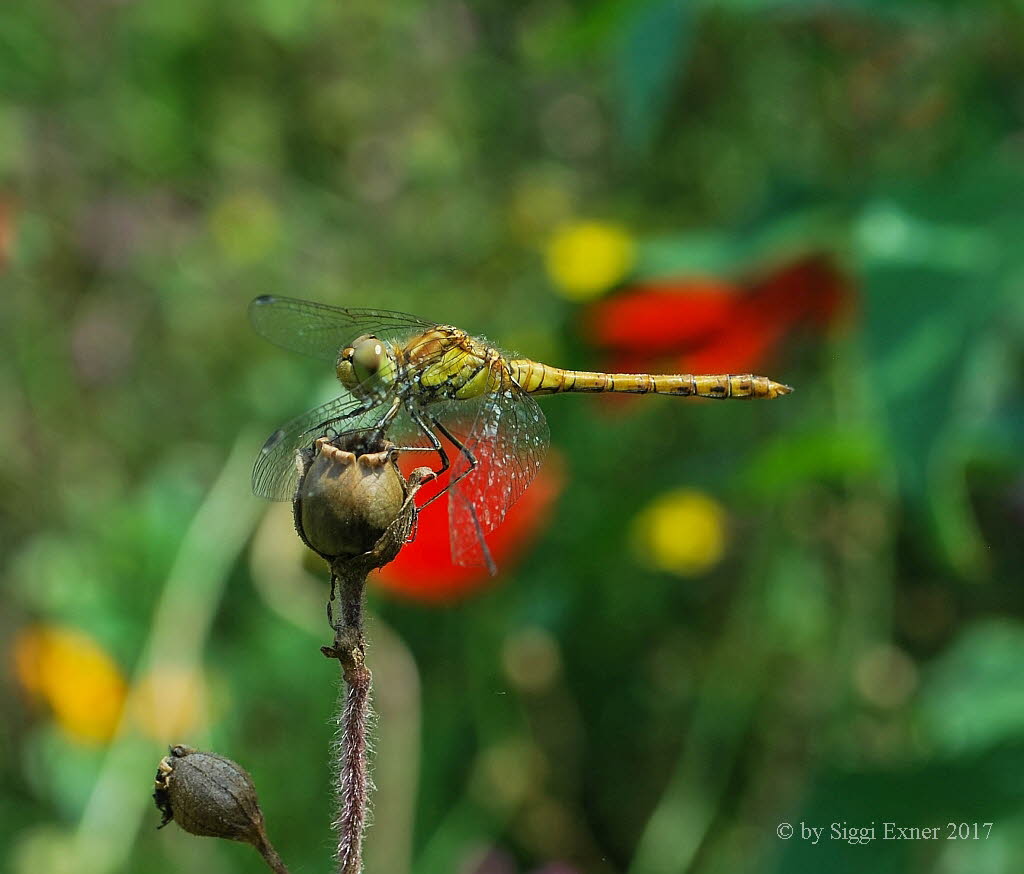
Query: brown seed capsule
{"x": 349, "y": 496}
{"x": 208, "y": 795}
{"x": 211, "y": 796}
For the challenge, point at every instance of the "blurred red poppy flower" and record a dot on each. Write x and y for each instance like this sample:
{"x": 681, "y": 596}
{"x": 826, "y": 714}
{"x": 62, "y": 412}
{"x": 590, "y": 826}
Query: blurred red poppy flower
{"x": 701, "y": 325}
{"x": 424, "y": 571}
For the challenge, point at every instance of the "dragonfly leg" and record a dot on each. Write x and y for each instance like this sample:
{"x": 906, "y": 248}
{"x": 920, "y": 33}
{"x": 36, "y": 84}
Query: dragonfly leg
{"x": 465, "y": 450}
{"x": 435, "y": 443}
{"x": 444, "y": 458}
{"x": 471, "y": 458}
{"x": 389, "y": 416}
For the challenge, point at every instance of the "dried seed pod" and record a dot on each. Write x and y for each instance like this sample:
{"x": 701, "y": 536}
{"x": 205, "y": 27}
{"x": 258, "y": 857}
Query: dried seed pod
{"x": 351, "y": 496}
{"x": 211, "y": 796}
{"x": 208, "y": 795}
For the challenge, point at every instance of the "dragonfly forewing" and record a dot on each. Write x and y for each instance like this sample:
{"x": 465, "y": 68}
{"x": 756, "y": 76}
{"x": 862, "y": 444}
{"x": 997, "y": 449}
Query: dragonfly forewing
{"x": 319, "y": 331}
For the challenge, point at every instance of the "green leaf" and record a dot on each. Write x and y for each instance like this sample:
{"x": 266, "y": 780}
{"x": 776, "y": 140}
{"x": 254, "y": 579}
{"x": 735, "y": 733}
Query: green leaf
{"x": 795, "y": 460}
{"x": 972, "y": 698}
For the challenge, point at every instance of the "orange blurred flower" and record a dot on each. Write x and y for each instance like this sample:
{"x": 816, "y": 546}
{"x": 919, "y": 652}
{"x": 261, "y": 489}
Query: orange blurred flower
{"x": 74, "y": 677}
{"x": 424, "y": 571}
{"x": 7, "y": 232}
{"x": 701, "y": 325}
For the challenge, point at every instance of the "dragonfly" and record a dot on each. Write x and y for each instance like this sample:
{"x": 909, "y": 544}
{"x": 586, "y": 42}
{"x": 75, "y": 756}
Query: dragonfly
{"x": 417, "y": 382}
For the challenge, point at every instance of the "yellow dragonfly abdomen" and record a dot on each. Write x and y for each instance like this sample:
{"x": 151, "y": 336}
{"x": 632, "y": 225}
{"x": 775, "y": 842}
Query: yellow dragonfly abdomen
{"x": 542, "y": 379}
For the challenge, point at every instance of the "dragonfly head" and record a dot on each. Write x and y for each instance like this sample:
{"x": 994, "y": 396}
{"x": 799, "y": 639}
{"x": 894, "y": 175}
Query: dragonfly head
{"x": 366, "y": 365}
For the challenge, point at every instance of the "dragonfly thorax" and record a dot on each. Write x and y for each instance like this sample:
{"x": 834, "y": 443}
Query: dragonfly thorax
{"x": 448, "y": 364}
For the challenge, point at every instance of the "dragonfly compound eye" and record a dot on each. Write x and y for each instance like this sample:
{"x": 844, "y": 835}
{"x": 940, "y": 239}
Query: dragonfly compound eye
{"x": 367, "y": 359}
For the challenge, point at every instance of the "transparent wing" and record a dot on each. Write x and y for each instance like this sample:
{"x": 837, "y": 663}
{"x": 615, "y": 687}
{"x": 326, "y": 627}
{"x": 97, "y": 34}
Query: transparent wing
{"x": 457, "y": 416}
{"x": 508, "y": 440}
{"x": 275, "y": 474}
{"x": 319, "y": 330}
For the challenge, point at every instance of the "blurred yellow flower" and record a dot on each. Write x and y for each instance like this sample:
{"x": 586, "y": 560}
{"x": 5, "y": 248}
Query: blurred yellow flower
{"x": 170, "y": 703}
{"x": 681, "y": 532}
{"x": 587, "y": 258}
{"x": 539, "y": 205}
{"x": 245, "y": 225}
{"x": 75, "y": 677}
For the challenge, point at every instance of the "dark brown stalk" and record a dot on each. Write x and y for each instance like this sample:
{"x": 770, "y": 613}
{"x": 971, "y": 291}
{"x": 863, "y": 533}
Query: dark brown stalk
{"x": 273, "y": 860}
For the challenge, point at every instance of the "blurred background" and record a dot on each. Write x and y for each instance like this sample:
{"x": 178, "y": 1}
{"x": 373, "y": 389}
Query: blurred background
{"x": 710, "y": 618}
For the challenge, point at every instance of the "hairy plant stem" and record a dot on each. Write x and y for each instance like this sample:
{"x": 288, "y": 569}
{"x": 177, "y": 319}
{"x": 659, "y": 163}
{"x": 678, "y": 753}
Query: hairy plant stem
{"x": 352, "y": 781}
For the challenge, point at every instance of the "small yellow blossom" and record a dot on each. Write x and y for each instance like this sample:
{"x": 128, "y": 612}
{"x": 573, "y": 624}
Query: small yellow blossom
{"x": 587, "y": 258}
{"x": 539, "y": 205}
{"x": 681, "y": 532}
{"x": 74, "y": 677}
{"x": 246, "y": 226}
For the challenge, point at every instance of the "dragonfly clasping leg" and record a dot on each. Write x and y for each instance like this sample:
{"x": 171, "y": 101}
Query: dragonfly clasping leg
{"x": 463, "y": 449}
{"x": 388, "y": 417}
{"x": 434, "y": 447}
{"x": 471, "y": 458}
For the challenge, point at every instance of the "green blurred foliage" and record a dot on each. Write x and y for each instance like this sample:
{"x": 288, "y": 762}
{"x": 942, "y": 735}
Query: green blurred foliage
{"x": 853, "y": 656}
